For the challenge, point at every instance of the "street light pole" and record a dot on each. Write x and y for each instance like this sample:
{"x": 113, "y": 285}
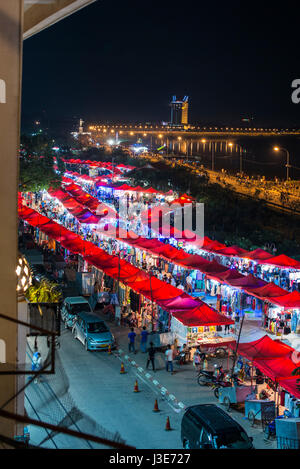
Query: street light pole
{"x": 287, "y": 160}
{"x": 241, "y": 155}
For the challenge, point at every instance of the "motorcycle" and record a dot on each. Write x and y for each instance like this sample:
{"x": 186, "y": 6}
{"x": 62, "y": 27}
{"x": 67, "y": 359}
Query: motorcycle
{"x": 209, "y": 377}
{"x": 226, "y": 383}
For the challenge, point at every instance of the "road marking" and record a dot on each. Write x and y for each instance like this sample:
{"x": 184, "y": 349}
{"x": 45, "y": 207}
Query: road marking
{"x": 170, "y": 398}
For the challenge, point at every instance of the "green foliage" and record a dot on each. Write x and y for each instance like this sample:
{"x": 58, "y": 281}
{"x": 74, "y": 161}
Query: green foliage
{"x": 44, "y": 292}
{"x": 36, "y": 164}
{"x": 296, "y": 372}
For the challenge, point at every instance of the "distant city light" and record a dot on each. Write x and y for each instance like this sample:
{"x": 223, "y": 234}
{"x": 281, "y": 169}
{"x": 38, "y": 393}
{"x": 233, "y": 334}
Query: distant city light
{"x": 139, "y": 149}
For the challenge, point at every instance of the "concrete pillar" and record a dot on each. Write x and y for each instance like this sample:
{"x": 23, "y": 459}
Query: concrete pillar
{"x": 11, "y": 32}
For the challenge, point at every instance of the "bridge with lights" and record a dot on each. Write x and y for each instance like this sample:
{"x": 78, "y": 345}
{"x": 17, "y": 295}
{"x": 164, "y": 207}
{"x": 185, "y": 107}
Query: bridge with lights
{"x": 143, "y": 130}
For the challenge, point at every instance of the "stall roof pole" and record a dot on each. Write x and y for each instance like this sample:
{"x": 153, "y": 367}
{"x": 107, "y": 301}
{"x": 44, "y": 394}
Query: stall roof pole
{"x": 236, "y": 348}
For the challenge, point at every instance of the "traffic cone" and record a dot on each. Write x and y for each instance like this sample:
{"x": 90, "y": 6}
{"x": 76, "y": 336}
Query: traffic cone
{"x": 136, "y": 387}
{"x": 122, "y": 370}
{"x": 168, "y": 426}
{"x": 109, "y": 349}
{"x": 156, "y": 409}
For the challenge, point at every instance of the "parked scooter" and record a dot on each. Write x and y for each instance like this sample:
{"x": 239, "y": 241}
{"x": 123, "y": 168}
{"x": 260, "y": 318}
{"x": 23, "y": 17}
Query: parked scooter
{"x": 206, "y": 377}
{"x": 226, "y": 383}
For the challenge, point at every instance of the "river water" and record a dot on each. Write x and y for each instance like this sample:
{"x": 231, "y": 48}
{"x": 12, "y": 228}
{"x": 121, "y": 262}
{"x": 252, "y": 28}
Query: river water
{"x": 254, "y": 153}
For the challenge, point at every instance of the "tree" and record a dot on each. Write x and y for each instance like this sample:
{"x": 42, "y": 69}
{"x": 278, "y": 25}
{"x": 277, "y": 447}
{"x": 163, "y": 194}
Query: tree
{"x": 36, "y": 165}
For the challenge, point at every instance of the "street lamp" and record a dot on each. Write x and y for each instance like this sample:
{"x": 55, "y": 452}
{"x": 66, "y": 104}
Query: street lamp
{"x": 212, "y": 153}
{"x": 287, "y": 159}
{"x": 230, "y": 144}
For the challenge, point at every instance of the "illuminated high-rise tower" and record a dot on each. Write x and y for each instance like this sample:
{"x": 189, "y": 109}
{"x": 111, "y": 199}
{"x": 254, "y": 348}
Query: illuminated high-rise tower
{"x": 179, "y": 111}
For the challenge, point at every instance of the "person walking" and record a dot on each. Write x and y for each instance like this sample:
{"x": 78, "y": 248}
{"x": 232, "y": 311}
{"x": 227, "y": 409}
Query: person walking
{"x": 151, "y": 355}
{"x": 197, "y": 359}
{"x": 37, "y": 364}
{"x": 189, "y": 284}
{"x": 144, "y": 336}
{"x": 131, "y": 337}
{"x": 169, "y": 359}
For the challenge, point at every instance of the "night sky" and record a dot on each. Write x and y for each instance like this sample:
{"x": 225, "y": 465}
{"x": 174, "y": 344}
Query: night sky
{"x": 122, "y": 61}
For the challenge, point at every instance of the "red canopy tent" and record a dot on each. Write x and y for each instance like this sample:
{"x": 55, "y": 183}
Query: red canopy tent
{"x": 229, "y": 274}
{"x": 272, "y": 357}
{"x": 138, "y": 280}
{"x": 289, "y": 301}
{"x": 291, "y": 385}
{"x": 202, "y": 315}
{"x": 247, "y": 281}
{"x": 232, "y": 251}
{"x": 267, "y": 291}
{"x": 194, "y": 261}
{"x": 282, "y": 261}
{"x": 214, "y": 246}
{"x": 257, "y": 255}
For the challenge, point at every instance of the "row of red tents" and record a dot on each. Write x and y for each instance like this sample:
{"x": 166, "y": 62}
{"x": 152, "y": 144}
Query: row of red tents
{"x": 275, "y": 360}
{"x": 99, "y": 164}
{"x": 212, "y": 269}
{"x": 215, "y": 247}
{"x": 189, "y": 311}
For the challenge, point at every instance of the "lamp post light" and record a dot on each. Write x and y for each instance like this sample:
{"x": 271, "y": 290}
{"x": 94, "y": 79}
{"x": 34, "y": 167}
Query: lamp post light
{"x": 212, "y": 153}
{"x": 288, "y": 166}
{"x": 179, "y": 145}
{"x": 230, "y": 144}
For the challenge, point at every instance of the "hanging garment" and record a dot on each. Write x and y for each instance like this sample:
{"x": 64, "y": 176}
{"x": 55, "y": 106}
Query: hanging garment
{"x": 114, "y": 299}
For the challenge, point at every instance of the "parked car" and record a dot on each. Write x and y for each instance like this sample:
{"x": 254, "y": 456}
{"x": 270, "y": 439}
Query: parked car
{"x": 206, "y": 426}
{"x": 92, "y": 332}
{"x": 71, "y": 306}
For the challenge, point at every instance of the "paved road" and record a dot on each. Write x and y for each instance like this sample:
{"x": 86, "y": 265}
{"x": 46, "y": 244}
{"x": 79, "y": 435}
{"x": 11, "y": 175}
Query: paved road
{"x": 95, "y": 386}
{"x": 105, "y": 395}
{"x": 100, "y": 391}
